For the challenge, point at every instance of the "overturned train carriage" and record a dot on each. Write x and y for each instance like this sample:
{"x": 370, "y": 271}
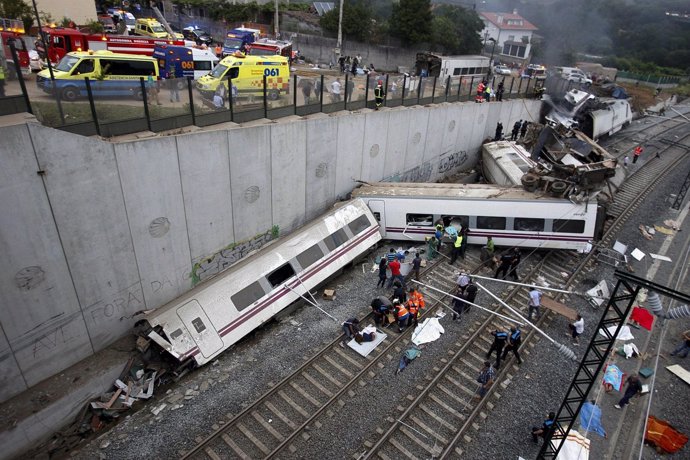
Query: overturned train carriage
{"x": 204, "y": 322}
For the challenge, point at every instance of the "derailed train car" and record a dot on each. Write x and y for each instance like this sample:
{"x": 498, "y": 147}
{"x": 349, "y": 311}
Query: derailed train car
{"x": 201, "y": 324}
{"x": 510, "y": 215}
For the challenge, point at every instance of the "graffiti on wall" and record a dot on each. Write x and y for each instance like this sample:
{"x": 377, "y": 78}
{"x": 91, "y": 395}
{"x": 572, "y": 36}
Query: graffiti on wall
{"x": 216, "y": 263}
{"x": 451, "y": 161}
{"x": 421, "y": 173}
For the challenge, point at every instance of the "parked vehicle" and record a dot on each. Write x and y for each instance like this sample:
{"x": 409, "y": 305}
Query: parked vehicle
{"x": 247, "y": 74}
{"x": 238, "y": 39}
{"x": 534, "y": 71}
{"x": 184, "y": 61}
{"x": 110, "y": 74}
{"x": 151, "y": 28}
{"x": 268, "y": 47}
{"x": 502, "y": 70}
{"x": 108, "y": 24}
{"x": 65, "y": 40}
{"x": 574, "y": 74}
{"x": 12, "y": 30}
{"x": 127, "y": 17}
{"x": 432, "y": 65}
{"x": 198, "y": 36}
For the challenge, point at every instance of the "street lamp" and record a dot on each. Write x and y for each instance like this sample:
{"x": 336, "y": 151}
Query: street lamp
{"x": 491, "y": 59}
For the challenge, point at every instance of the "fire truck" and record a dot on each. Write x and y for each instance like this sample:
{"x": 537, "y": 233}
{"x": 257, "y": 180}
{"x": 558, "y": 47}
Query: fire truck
{"x": 63, "y": 40}
{"x": 13, "y": 29}
{"x": 269, "y": 47}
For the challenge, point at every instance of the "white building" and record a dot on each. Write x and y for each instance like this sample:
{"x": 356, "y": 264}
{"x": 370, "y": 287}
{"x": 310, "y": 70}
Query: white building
{"x": 513, "y": 36}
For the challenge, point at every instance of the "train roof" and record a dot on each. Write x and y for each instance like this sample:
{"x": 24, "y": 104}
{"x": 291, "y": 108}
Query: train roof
{"x": 450, "y": 191}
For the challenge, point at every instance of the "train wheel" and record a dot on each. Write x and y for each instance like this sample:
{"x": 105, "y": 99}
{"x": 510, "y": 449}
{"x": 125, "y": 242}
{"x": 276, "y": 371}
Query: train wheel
{"x": 558, "y": 187}
{"x": 530, "y": 182}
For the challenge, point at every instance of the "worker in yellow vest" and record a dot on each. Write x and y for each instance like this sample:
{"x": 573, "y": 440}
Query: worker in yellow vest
{"x": 457, "y": 247}
{"x": 2, "y": 81}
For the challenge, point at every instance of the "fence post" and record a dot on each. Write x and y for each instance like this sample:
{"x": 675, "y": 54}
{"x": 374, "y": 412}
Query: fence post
{"x": 18, "y": 67}
{"x": 321, "y": 94}
{"x": 403, "y": 90}
{"x": 294, "y": 94}
{"x": 447, "y": 88}
{"x": 469, "y": 96}
{"x": 459, "y": 88}
{"x": 385, "y": 92}
{"x": 519, "y": 86}
{"x": 433, "y": 90}
{"x": 191, "y": 100}
{"x": 366, "y": 93}
{"x": 146, "y": 102}
{"x": 265, "y": 101}
{"x": 512, "y": 80}
{"x": 232, "y": 103}
{"x": 527, "y": 88}
{"x": 347, "y": 76}
{"x": 419, "y": 88}
{"x": 92, "y": 105}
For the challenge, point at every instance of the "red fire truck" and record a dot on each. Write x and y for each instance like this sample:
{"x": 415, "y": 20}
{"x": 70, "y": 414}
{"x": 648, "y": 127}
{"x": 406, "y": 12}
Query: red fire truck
{"x": 63, "y": 40}
{"x": 268, "y": 47}
{"x": 12, "y": 29}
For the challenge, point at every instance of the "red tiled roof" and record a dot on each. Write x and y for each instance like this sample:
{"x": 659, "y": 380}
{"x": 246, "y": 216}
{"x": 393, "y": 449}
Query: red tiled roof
{"x": 508, "y": 17}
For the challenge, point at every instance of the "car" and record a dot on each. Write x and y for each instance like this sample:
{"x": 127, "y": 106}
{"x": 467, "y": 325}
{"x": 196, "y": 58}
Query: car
{"x": 108, "y": 24}
{"x": 502, "y": 70}
{"x": 199, "y": 36}
{"x": 579, "y": 77}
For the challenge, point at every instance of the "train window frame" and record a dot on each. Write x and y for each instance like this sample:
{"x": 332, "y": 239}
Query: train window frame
{"x": 377, "y": 216}
{"x": 308, "y": 257}
{"x": 176, "y": 333}
{"x": 198, "y": 325}
{"x": 535, "y": 224}
{"x": 246, "y": 296}
{"x": 464, "y": 220}
{"x": 358, "y": 225}
{"x": 483, "y": 221}
{"x": 336, "y": 239}
{"x": 281, "y": 274}
{"x": 564, "y": 225}
{"x": 409, "y": 222}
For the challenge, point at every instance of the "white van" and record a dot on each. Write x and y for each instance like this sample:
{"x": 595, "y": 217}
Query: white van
{"x": 574, "y": 74}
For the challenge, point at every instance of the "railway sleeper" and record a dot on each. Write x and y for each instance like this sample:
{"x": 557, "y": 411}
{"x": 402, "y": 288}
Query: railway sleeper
{"x": 411, "y": 435}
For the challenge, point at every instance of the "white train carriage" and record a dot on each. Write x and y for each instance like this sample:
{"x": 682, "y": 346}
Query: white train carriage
{"x": 215, "y": 314}
{"x": 608, "y": 120}
{"x": 510, "y": 215}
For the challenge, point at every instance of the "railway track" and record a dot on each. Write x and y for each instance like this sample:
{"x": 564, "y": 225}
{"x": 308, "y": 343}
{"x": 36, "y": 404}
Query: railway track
{"x": 437, "y": 420}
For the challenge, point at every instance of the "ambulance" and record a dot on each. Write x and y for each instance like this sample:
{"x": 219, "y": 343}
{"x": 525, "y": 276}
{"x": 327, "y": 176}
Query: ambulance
{"x": 151, "y": 28}
{"x": 184, "y": 61}
{"x": 110, "y": 75}
{"x": 247, "y": 74}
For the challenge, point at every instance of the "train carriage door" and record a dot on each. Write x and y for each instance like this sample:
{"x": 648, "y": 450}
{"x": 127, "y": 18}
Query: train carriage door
{"x": 200, "y": 328}
{"x": 378, "y": 209}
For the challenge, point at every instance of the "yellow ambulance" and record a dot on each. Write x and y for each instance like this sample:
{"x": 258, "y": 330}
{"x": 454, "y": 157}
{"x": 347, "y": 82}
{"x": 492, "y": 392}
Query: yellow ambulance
{"x": 149, "y": 27}
{"x": 247, "y": 74}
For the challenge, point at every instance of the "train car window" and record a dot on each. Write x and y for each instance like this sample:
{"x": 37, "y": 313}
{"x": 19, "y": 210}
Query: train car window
{"x": 377, "y": 216}
{"x": 335, "y": 239}
{"x": 198, "y": 325}
{"x": 280, "y": 275}
{"x": 456, "y": 221}
{"x": 526, "y": 224}
{"x": 568, "y": 226}
{"x": 421, "y": 220}
{"x": 310, "y": 256}
{"x": 359, "y": 225}
{"x": 247, "y": 296}
{"x": 491, "y": 223}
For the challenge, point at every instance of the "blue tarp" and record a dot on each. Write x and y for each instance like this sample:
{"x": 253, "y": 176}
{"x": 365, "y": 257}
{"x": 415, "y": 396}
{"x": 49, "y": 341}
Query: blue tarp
{"x": 590, "y": 419}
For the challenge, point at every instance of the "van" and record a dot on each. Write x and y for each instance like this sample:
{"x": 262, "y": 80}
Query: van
{"x": 151, "y": 28}
{"x": 184, "y": 61}
{"x": 574, "y": 74}
{"x": 110, "y": 74}
{"x": 247, "y": 74}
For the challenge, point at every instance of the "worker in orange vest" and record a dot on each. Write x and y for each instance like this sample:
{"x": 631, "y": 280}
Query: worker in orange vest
{"x": 480, "y": 92}
{"x": 402, "y": 314}
{"x": 415, "y": 303}
{"x": 636, "y": 153}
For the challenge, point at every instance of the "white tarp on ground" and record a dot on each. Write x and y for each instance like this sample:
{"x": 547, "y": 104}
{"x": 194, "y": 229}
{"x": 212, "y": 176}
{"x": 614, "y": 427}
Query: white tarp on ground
{"x": 365, "y": 348}
{"x": 624, "y": 333}
{"x": 575, "y": 447}
{"x": 427, "y": 331}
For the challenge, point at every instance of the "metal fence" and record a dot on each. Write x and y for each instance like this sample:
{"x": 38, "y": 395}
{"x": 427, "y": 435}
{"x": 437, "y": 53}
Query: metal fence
{"x": 656, "y": 79}
{"x": 91, "y": 109}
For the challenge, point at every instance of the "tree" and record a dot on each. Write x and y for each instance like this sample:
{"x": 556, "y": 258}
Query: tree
{"x": 14, "y": 9}
{"x": 411, "y": 21}
{"x": 456, "y": 29}
{"x": 356, "y": 20}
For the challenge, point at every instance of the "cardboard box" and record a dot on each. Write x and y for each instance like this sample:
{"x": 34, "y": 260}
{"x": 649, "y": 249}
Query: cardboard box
{"x": 329, "y": 294}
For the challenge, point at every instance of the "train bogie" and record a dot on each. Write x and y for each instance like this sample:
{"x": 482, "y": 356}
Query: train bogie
{"x": 217, "y": 313}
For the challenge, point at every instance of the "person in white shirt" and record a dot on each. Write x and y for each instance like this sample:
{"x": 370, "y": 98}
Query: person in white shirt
{"x": 335, "y": 90}
{"x": 577, "y": 328}
{"x": 534, "y": 303}
{"x": 463, "y": 281}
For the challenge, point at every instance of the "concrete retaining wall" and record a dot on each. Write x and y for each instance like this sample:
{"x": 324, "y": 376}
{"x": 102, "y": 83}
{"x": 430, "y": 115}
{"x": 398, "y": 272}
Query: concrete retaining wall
{"x": 94, "y": 232}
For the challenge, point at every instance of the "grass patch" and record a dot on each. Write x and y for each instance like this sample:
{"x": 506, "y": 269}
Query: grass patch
{"x": 80, "y": 112}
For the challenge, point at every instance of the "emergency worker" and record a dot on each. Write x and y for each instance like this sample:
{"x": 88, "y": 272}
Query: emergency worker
{"x": 457, "y": 246}
{"x": 2, "y": 81}
{"x": 500, "y": 339}
{"x": 379, "y": 94}
{"x": 381, "y": 306}
{"x": 402, "y": 314}
{"x": 415, "y": 302}
{"x": 514, "y": 341}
